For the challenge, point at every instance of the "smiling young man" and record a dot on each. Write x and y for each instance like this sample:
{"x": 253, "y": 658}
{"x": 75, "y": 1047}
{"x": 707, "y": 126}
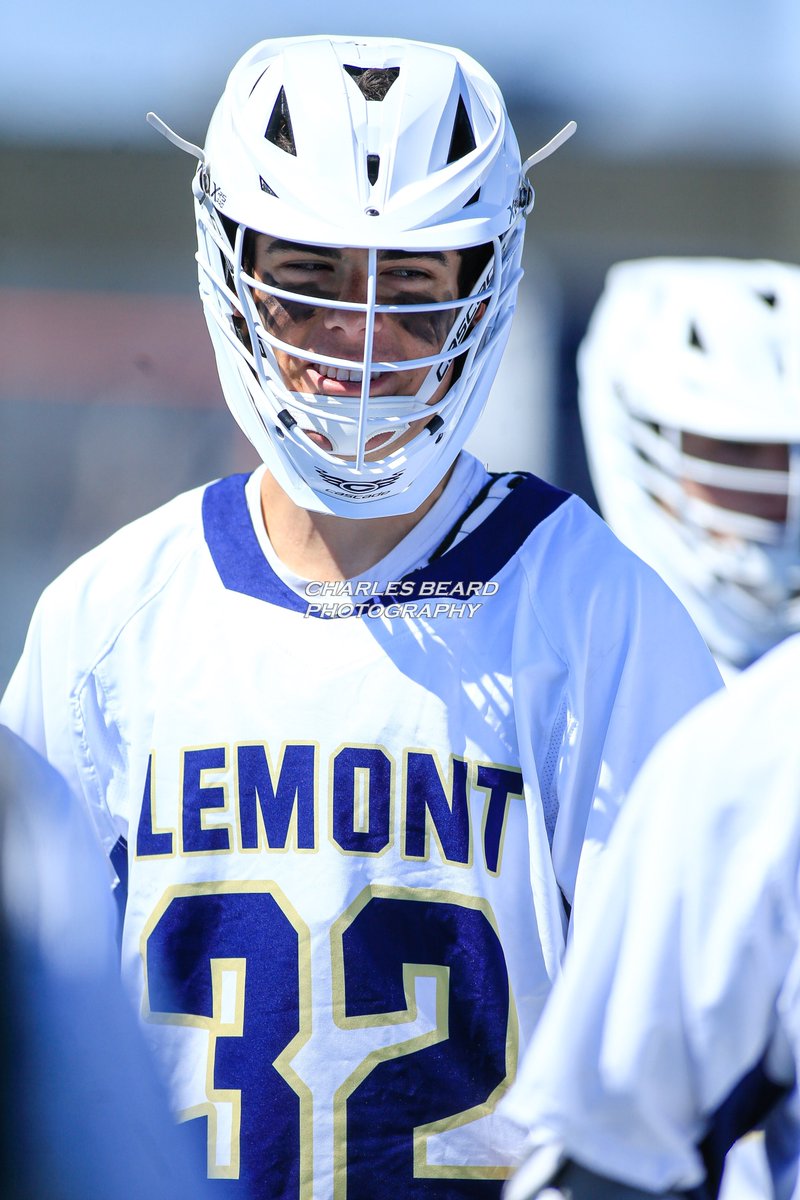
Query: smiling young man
{"x": 354, "y": 729}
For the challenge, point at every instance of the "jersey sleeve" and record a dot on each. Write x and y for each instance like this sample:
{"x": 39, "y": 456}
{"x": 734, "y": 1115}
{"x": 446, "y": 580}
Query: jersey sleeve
{"x": 49, "y": 705}
{"x": 682, "y": 995}
{"x": 33, "y": 704}
{"x": 58, "y": 700}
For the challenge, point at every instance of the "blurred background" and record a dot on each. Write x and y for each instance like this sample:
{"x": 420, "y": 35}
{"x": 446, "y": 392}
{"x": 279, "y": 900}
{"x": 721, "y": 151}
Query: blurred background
{"x": 688, "y": 142}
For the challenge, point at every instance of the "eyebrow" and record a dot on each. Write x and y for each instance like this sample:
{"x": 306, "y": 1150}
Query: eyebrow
{"x": 278, "y": 244}
{"x": 303, "y": 248}
{"x": 437, "y": 255}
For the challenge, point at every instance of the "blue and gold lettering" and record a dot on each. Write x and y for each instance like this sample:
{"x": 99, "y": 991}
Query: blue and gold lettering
{"x": 427, "y": 799}
{"x": 271, "y": 807}
{"x": 264, "y": 803}
{"x": 500, "y": 783}
{"x": 148, "y": 842}
{"x": 198, "y": 796}
{"x": 362, "y": 776}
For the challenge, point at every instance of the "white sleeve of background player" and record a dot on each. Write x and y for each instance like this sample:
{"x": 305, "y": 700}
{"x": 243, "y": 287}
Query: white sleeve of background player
{"x": 687, "y": 975}
{"x": 634, "y": 665}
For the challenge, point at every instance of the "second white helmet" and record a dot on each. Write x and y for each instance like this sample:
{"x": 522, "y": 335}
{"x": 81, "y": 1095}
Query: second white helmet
{"x": 689, "y": 392}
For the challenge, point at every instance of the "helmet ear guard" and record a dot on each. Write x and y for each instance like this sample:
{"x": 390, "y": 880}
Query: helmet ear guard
{"x": 425, "y": 161}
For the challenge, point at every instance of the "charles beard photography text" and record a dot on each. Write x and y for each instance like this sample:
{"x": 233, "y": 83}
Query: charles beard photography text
{"x": 425, "y": 599}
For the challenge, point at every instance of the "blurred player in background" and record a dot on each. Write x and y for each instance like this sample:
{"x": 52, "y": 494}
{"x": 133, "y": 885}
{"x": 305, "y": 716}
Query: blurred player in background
{"x": 676, "y": 1023}
{"x": 83, "y": 1117}
{"x": 690, "y": 405}
{"x": 363, "y": 720}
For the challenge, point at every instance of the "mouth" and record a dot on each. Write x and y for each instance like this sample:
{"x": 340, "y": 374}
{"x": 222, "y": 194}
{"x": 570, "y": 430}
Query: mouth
{"x": 343, "y": 374}
{"x": 344, "y": 381}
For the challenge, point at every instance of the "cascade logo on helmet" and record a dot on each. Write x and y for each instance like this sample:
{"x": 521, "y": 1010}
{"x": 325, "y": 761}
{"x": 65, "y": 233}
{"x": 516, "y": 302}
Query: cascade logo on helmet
{"x": 463, "y": 329}
{"x": 359, "y": 485}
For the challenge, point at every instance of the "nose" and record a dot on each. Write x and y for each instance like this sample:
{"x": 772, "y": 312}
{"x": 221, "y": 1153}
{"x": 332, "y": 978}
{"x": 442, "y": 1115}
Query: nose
{"x": 347, "y": 321}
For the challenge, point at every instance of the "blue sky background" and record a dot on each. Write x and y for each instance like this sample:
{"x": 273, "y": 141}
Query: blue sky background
{"x": 716, "y": 78}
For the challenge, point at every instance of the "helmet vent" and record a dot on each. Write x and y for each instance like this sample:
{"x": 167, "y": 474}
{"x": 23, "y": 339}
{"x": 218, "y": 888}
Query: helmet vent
{"x": 769, "y": 298}
{"x": 474, "y": 198}
{"x": 374, "y": 82}
{"x": 462, "y": 140}
{"x": 373, "y": 167}
{"x": 694, "y": 338}
{"x": 279, "y": 127}
{"x": 265, "y": 186}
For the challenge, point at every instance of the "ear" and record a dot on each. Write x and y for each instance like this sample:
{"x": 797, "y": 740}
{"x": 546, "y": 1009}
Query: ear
{"x": 479, "y": 311}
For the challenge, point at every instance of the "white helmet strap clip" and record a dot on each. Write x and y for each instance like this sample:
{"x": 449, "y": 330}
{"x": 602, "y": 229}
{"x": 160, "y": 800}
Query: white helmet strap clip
{"x": 163, "y": 128}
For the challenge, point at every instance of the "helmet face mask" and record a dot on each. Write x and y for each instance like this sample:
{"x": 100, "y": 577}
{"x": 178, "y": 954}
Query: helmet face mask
{"x": 690, "y": 406}
{"x": 359, "y": 371}
{"x": 359, "y": 395}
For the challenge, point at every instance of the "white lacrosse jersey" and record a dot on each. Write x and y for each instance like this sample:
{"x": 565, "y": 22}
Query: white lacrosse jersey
{"x": 676, "y": 1024}
{"x": 354, "y": 841}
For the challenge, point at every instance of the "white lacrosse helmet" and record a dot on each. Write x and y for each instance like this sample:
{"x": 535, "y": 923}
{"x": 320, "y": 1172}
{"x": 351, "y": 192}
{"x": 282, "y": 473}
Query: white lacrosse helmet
{"x": 428, "y": 163}
{"x": 689, "y": 393}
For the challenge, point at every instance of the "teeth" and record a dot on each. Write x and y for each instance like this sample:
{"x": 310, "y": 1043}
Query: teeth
{"x": 342, "y": 373}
